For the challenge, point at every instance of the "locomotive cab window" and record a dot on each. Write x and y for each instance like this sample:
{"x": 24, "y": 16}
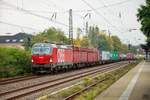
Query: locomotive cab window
{"x": 41, "y": 50}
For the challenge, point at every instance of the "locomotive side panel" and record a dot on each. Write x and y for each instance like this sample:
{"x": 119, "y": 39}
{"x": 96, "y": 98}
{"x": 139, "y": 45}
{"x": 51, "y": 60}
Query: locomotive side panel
{"x": 60, "y": 55}
{"x": 68, "y": 56}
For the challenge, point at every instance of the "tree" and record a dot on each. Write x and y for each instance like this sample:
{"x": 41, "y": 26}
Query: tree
{"x": 104, "y": 42}
{"x": 27, "y": 43}
{"x": 116, "y": 43}
{"x": 77, "y": 41}
{"x": 51, "y": 35}
{"x": 93, "y": 36}
{"x": 144, "y": 17}
{"x": 85, "y": 42}
{"x": 124, "y": 48}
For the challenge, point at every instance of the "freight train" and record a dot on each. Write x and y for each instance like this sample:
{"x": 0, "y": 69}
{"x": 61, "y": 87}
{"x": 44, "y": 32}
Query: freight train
{"x": 47, "y": 57}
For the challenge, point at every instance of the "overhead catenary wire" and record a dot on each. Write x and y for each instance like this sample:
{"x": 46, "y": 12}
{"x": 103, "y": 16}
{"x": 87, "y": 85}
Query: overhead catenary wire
{"x": 62, "y": 11}
{"x": 114, "y": 4}
{"x": 84, "y": 10}
{"x": 39, "y": 11}
{"x": 105, "y": 6}
{"x": 20, "y": 26}
{"x": 52, "y": 2}
{"x": 34, "y": 14}
{"x": 103, "y": 3}
{"x": 100, "y": 15}
{"x": 110, "y": 11}
{"x": 48, "y": 5}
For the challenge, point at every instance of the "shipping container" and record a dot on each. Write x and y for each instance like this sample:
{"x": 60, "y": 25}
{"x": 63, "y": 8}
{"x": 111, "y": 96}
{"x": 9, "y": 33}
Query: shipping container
{"x": 114, "y": 55}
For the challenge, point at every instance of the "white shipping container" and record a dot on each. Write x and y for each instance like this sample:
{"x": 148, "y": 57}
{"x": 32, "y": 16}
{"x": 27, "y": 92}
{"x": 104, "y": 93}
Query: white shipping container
{"x": 105, "y": 55}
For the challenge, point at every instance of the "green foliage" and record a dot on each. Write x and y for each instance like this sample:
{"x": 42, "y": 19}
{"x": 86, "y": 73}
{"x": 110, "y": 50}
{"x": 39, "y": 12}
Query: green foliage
{"x": 100, "y": 40}
{"x": 116, "y": 43}
{"x": 85, "y": 42}
{"x": 51, "y": 35}
{"x": 70, "y": 91}
{"x": 14, "y": 62}
{"x": 104, "y": 42}
{"x": 27, "y": 44}
{"x": 93, "y": 36}
{"x": 124, "y": 48}
{"x": 144, "y": 17}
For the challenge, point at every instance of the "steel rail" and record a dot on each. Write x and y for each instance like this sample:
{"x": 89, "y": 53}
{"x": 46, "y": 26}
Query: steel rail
{"x": 17, "y": 79}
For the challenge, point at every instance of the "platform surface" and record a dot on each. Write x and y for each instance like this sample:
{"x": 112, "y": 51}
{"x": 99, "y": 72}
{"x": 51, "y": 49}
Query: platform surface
{"x": 135, "y": 85}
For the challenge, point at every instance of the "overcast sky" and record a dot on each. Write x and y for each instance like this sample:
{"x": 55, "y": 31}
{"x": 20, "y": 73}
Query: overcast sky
{"x": 32, "y": 16}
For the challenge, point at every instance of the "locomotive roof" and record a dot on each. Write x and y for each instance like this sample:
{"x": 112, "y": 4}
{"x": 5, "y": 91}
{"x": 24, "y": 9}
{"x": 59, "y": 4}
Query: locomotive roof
{"x": 52, "y": 45}
{"x": 44, "y": 44}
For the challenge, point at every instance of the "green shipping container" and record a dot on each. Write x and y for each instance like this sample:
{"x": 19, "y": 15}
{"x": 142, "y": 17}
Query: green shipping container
{"x": 114, "y": 55}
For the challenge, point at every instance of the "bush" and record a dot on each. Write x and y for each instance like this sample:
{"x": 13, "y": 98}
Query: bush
{"x": 14, "y": 62}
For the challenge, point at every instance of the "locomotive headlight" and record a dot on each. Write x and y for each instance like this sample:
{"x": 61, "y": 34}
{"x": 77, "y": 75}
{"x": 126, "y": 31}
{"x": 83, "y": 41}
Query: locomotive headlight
{"x": 32, "y": 60}
{"x": 51, "y": 60}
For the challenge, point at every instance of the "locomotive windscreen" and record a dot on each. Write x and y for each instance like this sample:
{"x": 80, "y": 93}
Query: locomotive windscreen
{"x": 41, "y": 50}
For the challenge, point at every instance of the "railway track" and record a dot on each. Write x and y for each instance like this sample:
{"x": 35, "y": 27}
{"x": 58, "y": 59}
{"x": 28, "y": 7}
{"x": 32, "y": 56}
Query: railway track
{"x": 21, "y": 92}
{"x": 17, "y": 79}
{"x": 72, "y": 96}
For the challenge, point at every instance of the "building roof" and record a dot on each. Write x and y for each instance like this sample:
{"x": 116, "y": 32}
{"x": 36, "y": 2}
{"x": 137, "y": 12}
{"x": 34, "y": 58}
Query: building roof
{"x": 17, "y": 38}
